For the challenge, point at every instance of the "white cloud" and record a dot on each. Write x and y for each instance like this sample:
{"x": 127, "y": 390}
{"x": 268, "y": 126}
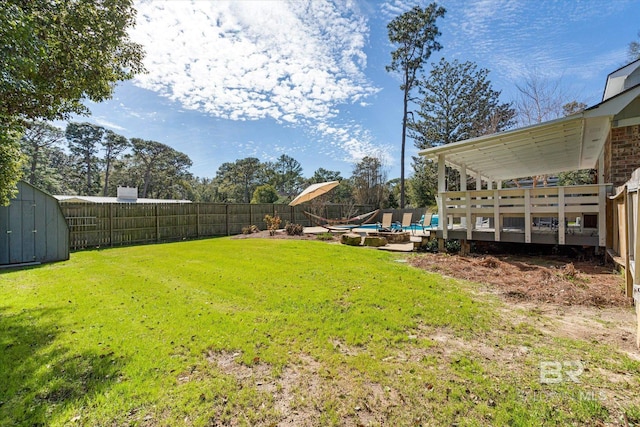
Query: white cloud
{"x": 291, "y": 61}
{"x": 254, "y": 59}
{"x": 105, "y": 123}
{"x": 349, "y": 142}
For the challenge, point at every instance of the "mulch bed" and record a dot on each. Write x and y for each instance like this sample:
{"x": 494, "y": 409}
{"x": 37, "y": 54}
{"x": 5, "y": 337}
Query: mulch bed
{"x": 535, "y": 279}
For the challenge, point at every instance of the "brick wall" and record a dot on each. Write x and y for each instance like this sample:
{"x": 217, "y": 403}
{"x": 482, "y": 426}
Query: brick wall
{"x": 622, "y": 154}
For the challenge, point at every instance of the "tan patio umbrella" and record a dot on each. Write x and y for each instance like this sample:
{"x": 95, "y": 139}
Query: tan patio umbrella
{"x": 313, "y": 191}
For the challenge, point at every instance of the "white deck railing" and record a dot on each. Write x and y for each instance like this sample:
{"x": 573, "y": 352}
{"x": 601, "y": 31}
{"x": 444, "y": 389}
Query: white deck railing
{"x": 563, "y": 204}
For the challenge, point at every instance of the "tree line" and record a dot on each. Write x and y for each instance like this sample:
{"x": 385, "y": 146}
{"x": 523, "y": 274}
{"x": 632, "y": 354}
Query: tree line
{"x": 87, "y": 159}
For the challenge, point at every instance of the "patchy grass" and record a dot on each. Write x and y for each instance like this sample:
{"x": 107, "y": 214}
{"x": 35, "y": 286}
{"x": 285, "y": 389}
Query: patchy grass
{"x": 284, "y": 332}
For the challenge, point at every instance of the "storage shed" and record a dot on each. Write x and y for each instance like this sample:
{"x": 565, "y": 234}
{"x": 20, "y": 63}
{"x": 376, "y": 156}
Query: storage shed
{"x": 32, "y": 228}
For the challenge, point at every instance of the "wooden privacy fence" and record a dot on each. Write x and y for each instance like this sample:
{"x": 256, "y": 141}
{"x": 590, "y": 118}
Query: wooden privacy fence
{"x": 120, "y": 224}
{"x": 625, "y": 242}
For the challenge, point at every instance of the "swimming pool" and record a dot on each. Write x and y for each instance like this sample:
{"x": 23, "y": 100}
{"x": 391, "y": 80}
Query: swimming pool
{"x": 394, "y": 226}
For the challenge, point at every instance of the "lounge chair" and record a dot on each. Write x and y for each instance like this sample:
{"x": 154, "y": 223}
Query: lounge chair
{"x": 406, "y": 221}
{"x": 386, "y": 222}
{"x": 425, "y": 221}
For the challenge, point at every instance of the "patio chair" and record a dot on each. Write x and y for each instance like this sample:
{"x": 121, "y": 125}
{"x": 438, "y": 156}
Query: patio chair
{"x": 406, "y": 221}
{"x": 386, "y": 222}
{"x": 425, "y": 221}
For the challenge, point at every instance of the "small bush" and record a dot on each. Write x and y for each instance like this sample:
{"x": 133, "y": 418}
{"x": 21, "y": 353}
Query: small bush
{"x": 250, "y": 230}
{"x": 325, "y": 236}
{"x": 293, "y": 229}
{"x": 452, "y": 246}
{"x": 431, "y": 246}
{"x": 273, "y": 223}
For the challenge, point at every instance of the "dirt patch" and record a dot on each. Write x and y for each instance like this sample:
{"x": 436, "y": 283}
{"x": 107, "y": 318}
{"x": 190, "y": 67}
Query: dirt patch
{"x": 301, "y": 389}
{"x": 541, "y": 279}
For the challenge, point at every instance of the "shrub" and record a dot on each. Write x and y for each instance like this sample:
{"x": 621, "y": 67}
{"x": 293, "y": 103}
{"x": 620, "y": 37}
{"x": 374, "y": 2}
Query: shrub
{"x": 452, "y": 246}
{"x": 324, "y": 236}
{"x": 250, "y": 230}
{"x": 273, "y": 223}
{"x": 293, "y": 229}
{"x": 431, "y": 246}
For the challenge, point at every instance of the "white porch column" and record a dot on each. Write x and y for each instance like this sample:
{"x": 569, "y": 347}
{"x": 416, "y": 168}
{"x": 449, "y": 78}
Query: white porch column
{"x": 527, "y": 215}
{"x": 602, "y": 217}
{"x": 601, "y": 168}
{"x": 561, "y": 214}
{"x": 478, "y": 182}
{"x": 442, "y": 187}
{"x": 463, "y": 187}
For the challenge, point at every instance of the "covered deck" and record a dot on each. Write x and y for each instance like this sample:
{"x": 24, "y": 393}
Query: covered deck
{"x": 572, "y": 215}
{"x": 564, "y": 215}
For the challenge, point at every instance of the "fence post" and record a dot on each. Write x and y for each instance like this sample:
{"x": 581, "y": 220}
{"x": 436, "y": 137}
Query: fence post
{"x": 111, "y": 224}
{"x": 157, "y": 223}
{"x": 226, "y": 218}
{"x": 198, "y": 220}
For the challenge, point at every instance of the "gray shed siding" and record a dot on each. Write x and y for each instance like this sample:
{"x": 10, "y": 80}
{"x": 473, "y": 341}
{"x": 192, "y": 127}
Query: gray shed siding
{"x": 32, "y": 228}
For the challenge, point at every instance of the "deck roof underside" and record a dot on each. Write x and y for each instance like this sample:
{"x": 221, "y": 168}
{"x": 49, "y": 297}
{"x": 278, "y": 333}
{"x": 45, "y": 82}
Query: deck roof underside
{"x": 566, "y": 144}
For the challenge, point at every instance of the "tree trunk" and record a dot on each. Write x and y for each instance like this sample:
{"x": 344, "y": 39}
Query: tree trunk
{"x": 106, "y": 178}
{"x": 34, "y": 166}
{"x": 404, "y": 136}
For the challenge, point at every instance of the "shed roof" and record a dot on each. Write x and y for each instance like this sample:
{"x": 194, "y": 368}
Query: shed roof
{"x": 566, "y": 144}
{"x": 97, "y": 199}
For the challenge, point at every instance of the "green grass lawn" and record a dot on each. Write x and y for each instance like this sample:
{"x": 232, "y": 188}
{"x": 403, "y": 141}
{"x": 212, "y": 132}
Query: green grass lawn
{"x": 260, "y": 332}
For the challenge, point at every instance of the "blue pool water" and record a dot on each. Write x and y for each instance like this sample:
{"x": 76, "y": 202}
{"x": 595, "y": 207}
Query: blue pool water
{"x": 396, "y": 226}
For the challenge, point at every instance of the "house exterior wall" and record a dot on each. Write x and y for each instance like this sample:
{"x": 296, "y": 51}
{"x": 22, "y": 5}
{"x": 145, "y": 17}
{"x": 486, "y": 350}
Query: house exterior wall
{"x": 622, "y": 154}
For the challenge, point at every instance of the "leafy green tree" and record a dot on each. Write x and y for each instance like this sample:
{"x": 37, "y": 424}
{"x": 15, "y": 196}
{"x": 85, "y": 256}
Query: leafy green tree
{"x": 414, "y": 33}
{"x": 38, "y": 142}
{"x": 423, "y": 184}
{"x": 579, "y": 177}
{"x": 204, "y": 190}
{"x": 368, "y": 180}
{"x": 161, "y": 170}
{"x": 62, "y": 178}
{"x": 84, "y": 140}
{"x": 11, "y": 159}
{"x": 324, "y": 175}
{"x": 458, "y": 103}
{"x": 393, "y": 194}
{"x": 265, "y": 193}
{"x": 287, "y": 178}
{"x": 55, "y": 54}
{"x": 113, "y": 144}
{"x": 341, "y": 194}
{"x": 237, "y": 181}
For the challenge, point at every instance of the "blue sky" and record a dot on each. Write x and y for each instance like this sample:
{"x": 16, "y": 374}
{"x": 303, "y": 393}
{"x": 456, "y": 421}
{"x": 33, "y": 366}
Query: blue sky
{"x": 233, "y": 79}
